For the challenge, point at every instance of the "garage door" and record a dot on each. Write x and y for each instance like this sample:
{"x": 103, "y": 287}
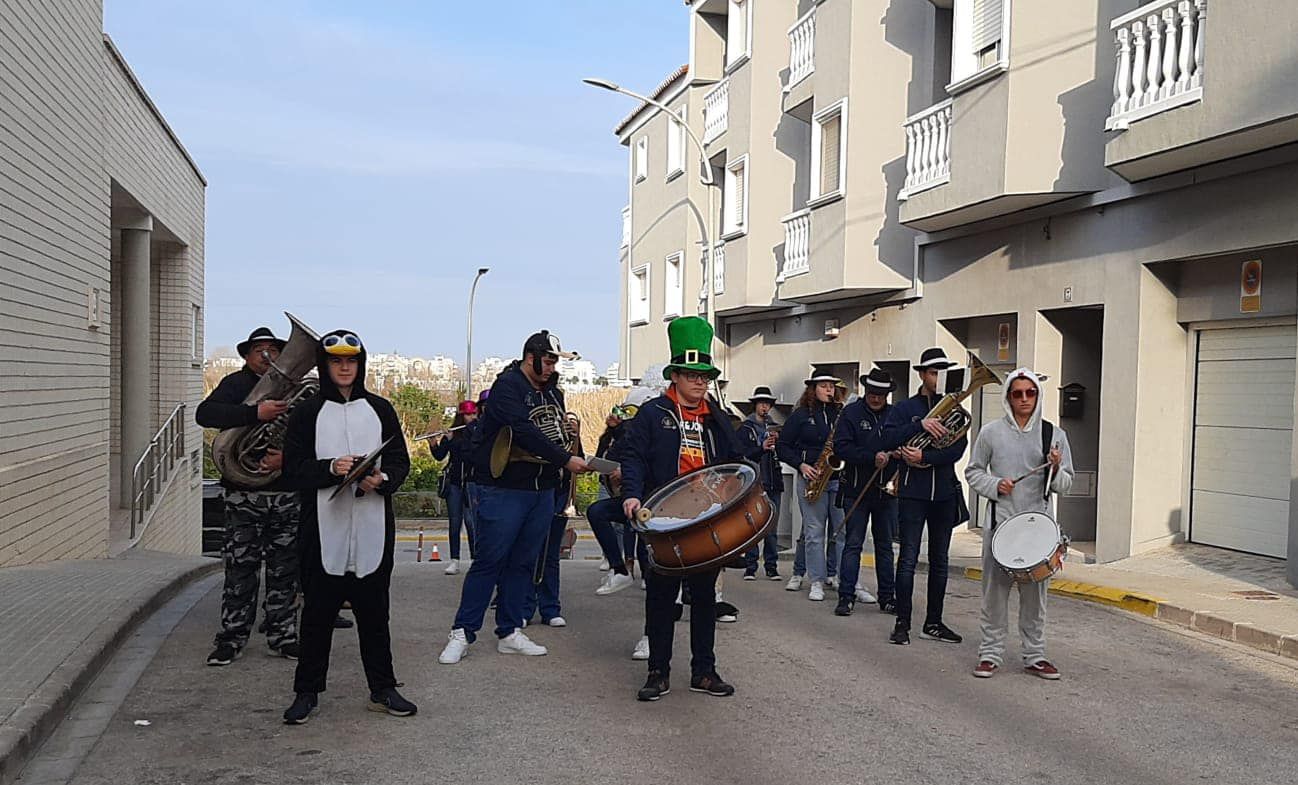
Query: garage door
{"x": 1243, "y": 433}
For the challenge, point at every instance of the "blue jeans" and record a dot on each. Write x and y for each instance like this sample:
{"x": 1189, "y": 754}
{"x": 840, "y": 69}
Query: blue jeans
{"x": 770, "y": 542}
{"x": 511, "y": 530}
{"x": 881, "y": 516}
{"x": 940, "y": 516}
{"x": 820, "y": 520}
{"x": 605, "y": 517}
{"x": 461, "y": 515}
{"x": 546, "y": 593}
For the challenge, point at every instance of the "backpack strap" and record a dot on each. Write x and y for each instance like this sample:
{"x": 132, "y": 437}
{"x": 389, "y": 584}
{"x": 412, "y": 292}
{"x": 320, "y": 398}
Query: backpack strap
{"x": 1047, "y": 436}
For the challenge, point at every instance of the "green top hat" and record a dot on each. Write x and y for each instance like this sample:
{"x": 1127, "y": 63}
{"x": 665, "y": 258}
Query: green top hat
{"x": 691, "y": 342}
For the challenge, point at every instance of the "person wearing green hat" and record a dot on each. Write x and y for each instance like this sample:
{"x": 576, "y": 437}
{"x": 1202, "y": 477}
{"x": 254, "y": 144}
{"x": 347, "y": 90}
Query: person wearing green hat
{"x": 678, "y": 432}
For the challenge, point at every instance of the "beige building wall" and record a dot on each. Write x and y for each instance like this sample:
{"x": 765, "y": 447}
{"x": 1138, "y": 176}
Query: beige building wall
{"x": 82, "y": 145}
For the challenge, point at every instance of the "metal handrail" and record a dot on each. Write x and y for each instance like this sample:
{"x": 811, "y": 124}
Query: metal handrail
{"x": 154, "y": 467}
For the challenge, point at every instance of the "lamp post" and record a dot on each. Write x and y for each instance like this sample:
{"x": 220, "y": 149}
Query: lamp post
{"x": 705, "y": 176}
{"x": 468, "y": 366}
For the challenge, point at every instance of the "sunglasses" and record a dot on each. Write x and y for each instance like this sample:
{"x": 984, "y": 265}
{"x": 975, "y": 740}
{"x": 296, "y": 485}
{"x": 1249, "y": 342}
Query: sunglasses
{"x": 1024, "y": 395}
{"x": 345, "y": 345}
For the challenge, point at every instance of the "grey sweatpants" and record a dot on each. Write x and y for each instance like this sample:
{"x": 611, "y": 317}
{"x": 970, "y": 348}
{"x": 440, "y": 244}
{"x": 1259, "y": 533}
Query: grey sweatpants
{"x": 995, "y": 613}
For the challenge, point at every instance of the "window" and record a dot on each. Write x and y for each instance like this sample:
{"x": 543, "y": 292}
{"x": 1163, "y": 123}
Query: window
{"x": 674, "y": 286}
{"x": 675, "y": 147}
{"x": 638, "y": 296}
{"x": 978, "y": 40}
{"x": 738, "y": 40}
{"x": 735, "y": 198}
{"x": 641, "y": 158}
{"x": 196, "y": 334}
{"x": 828, "y": 153}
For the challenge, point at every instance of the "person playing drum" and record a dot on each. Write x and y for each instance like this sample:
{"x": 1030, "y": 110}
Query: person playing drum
{"x": 672, "y": 434}
{"x": 1010, "y": 463}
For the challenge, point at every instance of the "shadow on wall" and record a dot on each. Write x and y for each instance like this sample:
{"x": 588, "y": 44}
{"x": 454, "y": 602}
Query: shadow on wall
{"x": 1085, "y": 107}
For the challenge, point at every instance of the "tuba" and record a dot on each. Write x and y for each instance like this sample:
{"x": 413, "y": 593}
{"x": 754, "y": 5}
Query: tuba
{"x": 954, "y": 417}
{"x": 237, "y": 452}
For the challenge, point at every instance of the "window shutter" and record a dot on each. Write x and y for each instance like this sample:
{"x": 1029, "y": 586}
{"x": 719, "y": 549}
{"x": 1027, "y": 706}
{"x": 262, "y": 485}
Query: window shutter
{"x": 831, "y": 137}
{"x": 736, "y": 30}
{"x": 737, "y": 221}
{"x": 988, "y": 20}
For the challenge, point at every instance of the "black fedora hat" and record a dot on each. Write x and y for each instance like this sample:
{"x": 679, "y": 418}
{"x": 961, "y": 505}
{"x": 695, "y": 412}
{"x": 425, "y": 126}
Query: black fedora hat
{"x": 878, "y": 381}
{"x": 934, "y": 357}
{"x": 819, "y": 374}
{"x": 762, "y": 393}
{"x": 259, "y": 334}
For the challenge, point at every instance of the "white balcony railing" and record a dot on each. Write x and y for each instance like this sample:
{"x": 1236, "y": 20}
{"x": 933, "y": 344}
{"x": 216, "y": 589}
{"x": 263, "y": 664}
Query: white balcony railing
{"x": 802, "y": 49}
{"x": 626, "y": 226}
{"x": 928, "y": 149}
{"x": 797, "y": 244}
{"x": 719, "y": 270}
{"x": 1160, "y": 59}
{"x": 716, "y": 111}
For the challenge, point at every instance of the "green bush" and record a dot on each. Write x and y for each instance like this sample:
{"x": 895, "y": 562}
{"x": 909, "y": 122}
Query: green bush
{"x": 418, "y": 504}
{"x": 425, "y": 472}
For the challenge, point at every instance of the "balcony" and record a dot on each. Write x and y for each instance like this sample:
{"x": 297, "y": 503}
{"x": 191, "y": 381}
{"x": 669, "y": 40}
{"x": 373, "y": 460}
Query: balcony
{"x": 797, "y": 244}
{"x": 1160, "y": 60}
{"x": 716, "y": 111}
{"x": 928, "y": 149}
{"x": 802, "y": 49}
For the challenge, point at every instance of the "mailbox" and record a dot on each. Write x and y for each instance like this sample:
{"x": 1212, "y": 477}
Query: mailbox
{"x": 1072, "y": 401}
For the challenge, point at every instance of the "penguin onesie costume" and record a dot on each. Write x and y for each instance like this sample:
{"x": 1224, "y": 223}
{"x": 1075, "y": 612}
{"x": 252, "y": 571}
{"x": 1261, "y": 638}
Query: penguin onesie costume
{"x": 346, "y": 543}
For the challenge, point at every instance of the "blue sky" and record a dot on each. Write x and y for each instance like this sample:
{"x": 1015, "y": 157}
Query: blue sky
{"x": 364, "y": 159}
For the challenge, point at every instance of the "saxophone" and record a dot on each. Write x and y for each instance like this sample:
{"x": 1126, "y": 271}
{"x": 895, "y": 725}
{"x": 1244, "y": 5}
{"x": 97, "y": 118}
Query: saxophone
{"x": 826, "y": 465}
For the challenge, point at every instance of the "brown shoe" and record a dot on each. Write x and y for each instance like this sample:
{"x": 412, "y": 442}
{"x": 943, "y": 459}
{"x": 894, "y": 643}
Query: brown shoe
{"x": 1043, "y": 669}
{"x": 985, "y": 669}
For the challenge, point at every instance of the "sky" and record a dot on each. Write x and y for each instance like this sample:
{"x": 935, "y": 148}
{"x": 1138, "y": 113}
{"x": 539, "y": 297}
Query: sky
{"x": 364, "y": 159}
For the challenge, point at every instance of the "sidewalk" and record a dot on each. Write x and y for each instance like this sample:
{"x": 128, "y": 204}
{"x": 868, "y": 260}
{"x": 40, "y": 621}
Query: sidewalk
{"x": 1235, "y": 596}
{"x": 58, "y": 625}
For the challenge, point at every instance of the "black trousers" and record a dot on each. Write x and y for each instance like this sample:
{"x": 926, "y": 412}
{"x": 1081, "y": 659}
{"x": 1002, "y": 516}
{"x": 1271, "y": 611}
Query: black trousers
{"x": 660, "y": 620}
{"x": 324, "y": 597}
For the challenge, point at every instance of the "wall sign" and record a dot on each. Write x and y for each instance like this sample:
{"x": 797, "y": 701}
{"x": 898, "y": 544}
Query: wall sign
{"x": 1250, "y": 286}
{"x": 1003, "y": 342}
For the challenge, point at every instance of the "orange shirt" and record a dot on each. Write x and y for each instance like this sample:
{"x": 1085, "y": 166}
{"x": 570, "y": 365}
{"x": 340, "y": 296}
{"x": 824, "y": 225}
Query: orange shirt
{"x": 692, "y": 455}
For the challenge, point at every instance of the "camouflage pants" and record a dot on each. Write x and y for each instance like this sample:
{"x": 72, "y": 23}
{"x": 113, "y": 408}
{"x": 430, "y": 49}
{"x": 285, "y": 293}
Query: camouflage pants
{"x": 260, "y": 527}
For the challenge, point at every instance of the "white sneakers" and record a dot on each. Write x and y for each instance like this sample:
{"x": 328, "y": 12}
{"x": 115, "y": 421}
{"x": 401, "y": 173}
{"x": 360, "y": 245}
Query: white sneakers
{"x": 453, "y": 567}
{"x": 863, "y": 596}
{"x": 603, "y": 565}
{"x": 641, "y": 649}
{"x": 559, "y": 621}
{"x": 817, "y": 592}
{"x": 518, "y": 643}
{"x": 614, "y": 582}
{"x": 831, "y": 581}
{"x": 457, "y": 645}
{"x": 795, "y": 583}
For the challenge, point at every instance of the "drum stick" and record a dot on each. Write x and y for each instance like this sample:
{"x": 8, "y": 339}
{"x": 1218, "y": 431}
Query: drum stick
{"x": 644, "y": 514}
{"x": 1031, "y": 472}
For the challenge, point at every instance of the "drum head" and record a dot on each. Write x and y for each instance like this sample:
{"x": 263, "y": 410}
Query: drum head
{"x": 700, "y": 494}
{"x": 1025, "y": 539}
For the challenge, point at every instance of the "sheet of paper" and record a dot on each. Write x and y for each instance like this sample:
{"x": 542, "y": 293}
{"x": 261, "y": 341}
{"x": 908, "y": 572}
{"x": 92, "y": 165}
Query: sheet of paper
{"x": 603, "y": 465}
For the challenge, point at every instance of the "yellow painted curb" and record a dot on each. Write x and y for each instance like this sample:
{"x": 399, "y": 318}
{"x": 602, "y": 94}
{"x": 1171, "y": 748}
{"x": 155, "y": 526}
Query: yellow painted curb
{"x": 446, "y": 538}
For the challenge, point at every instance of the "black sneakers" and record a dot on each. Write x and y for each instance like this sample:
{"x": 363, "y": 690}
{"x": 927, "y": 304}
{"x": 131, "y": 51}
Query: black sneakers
{"x": 773, "y": 573}
{"x": 900, "y": 634}
{"x": 888, "y": 606}
{"x": 656, "y": 686}
{"x": 844, "y": 607}
{"x": 289, "y": 651}
{"x": 223, "y": 654}
{"x": 712, "y": 685}
{"x": 939, "y": 632}
{"x": 390, "y": 700}
{"x": 303, "y": 705}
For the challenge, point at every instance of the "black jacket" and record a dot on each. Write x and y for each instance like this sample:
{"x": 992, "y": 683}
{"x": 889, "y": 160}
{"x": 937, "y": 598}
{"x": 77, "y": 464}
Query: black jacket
{"x": 650, "y": 449}
{"x": 225, "y": 409}
{"x": 455, "y": 451}
{"x": 752, "y": 435}
{"x": 938, "y": 482}
{"x": 804, "y": 434}
{"x": 516, "y": 403}
{"x": 856, "y": 441}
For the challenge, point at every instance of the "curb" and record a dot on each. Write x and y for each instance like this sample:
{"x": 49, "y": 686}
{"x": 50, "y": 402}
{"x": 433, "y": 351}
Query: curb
{"x": 27, "y": 728}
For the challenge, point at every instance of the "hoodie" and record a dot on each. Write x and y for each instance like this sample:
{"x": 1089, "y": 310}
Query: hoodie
{"x": 535, "y": 417}
{"x": 1003, "y": 450}
{"x": 347, "y": 533}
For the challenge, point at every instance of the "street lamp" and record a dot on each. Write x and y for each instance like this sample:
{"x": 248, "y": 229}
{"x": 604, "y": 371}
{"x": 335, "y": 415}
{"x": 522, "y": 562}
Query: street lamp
{"x": 468, "y": 367}
{"x": 705, "y": 176}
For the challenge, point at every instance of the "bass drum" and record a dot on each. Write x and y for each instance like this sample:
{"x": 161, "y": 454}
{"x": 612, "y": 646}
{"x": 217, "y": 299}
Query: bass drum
{"x": 703, "y": 519}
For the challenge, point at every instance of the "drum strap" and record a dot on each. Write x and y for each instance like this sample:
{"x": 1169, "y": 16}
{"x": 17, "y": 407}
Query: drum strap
{"x": 1047, "y": 434}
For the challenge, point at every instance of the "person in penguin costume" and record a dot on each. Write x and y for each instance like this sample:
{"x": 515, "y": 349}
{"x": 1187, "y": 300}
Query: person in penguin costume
{"x": 347, "y": 539}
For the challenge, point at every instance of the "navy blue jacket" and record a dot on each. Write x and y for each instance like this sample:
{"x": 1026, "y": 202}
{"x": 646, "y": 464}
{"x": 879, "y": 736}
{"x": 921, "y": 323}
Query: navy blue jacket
{"x": 651, "y": 446}
{"x": 804, "y": 434}
{"x": 516, "y": 403}
{"x": 938, "y": 482}
{"x": 456, "y": 452}
{"x": 856, "y": 441}
{"x": 752, "y": 435}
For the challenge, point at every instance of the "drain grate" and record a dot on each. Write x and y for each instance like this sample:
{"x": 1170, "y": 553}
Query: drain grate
{"x": 1255, "y": 594}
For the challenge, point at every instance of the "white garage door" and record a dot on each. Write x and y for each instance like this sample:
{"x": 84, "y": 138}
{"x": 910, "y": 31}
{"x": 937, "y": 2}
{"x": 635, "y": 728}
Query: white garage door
{"x": 1243, "y": 432}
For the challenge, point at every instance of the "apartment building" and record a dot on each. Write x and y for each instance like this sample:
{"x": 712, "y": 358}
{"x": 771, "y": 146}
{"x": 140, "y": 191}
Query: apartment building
{"x": 1101, "y": 189}
{"x": 101, "y": 298}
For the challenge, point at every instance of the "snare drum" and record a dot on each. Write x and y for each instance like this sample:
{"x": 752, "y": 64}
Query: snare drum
{"x": 704, "y": 518}
{"x": 1029, "y": 547}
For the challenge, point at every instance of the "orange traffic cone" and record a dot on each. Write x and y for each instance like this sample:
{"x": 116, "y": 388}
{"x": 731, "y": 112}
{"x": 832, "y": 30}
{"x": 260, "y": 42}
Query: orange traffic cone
{"x": 434, "y": 554}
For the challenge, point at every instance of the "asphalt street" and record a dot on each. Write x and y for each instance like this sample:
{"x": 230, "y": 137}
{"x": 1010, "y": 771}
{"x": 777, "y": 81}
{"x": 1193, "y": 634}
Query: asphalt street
{"x": 820, "y": 699}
